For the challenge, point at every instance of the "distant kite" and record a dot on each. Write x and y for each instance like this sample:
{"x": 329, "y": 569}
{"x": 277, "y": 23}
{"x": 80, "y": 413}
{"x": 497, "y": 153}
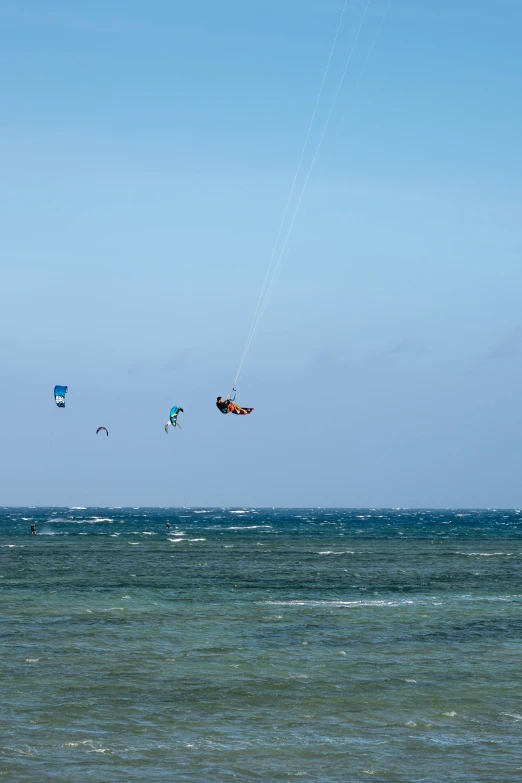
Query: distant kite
{"x": 59, "y": 395}
{"x": 174, "y": 412}
{"x": 103, "y": 428}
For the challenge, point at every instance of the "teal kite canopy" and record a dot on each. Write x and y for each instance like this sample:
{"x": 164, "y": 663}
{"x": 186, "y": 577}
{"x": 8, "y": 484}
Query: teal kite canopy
{"x": 59, "y": 395}
{"x": 174, "y": 413}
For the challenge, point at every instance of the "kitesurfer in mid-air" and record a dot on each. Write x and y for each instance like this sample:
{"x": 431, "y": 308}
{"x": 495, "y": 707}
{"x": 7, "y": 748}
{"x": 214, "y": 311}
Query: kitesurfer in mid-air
{"x": 227, "y": 406}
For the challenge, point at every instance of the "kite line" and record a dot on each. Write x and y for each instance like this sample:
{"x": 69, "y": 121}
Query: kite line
{"x": 276, "y": 257}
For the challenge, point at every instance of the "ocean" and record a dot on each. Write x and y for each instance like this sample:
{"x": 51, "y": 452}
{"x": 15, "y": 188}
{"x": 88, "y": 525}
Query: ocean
{"x": 260, "y": 645}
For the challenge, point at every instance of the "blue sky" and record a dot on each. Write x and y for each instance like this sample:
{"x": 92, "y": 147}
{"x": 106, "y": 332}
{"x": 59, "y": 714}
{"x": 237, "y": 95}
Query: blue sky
{"x": 147, "y": 152}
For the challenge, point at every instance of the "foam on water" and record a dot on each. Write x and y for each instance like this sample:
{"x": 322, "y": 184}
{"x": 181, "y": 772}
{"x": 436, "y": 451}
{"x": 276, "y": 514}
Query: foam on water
{"x": 485, "y": 554}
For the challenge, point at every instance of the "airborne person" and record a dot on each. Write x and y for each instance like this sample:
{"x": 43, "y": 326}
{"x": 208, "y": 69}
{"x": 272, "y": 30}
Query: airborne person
{"x": 227, "y": 406}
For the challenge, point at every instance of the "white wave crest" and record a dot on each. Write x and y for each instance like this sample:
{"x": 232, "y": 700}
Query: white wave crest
{"x": 485, "y": 554}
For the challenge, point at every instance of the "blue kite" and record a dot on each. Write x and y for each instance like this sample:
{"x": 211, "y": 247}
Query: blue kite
{"x": 174, "y": 413}
{"x": 59, "y": 395}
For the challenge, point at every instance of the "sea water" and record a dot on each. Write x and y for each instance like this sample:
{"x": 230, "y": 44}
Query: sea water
{"x": 260, "y": 645}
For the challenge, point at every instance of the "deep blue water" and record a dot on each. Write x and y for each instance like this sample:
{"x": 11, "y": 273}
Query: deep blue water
{"x": 272, "y": 645}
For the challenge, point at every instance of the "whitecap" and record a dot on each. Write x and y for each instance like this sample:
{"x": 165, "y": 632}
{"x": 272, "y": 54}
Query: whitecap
{"x": 175, "y": 540}
{"x": 100, "y": 519}
{"x": 335, "y": 604}
{"x": 485, "y": 554}
{"x": 77, "y": 744}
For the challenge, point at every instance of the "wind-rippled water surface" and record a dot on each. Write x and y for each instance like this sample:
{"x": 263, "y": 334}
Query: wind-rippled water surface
{"x": 273, "y": 645}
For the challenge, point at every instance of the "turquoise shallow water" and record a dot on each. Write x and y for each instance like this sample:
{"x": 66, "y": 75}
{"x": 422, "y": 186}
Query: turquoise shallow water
{"x": 272, "y": 645}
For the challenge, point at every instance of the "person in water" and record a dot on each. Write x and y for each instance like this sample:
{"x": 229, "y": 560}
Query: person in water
{"x": 227, "y": 406}
{"x": 168, "y": 525}
{"x": 33, "y": 530}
